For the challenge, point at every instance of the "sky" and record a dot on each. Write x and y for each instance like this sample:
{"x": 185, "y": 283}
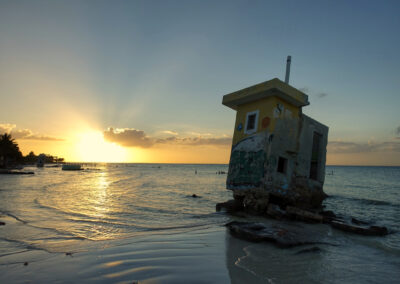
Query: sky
{"x": 142, "y": 81}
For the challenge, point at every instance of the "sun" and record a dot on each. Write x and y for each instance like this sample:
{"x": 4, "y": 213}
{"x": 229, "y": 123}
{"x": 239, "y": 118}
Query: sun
{"x": 91, "y": 147}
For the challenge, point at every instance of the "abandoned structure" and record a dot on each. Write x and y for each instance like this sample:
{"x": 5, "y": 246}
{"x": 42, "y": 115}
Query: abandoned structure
{"x": 277, "y": 152}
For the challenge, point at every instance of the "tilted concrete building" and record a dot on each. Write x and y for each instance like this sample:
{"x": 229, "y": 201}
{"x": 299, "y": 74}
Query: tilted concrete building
{"x": 277, "y": 152}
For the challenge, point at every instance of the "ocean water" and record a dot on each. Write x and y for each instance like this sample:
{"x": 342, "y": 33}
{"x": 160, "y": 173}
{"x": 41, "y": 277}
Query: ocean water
{"x": 54, "y": 208}
{"x": 105, "y": 205}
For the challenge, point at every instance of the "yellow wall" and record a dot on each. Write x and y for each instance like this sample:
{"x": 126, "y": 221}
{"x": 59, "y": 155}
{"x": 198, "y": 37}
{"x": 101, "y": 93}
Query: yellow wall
{"x": 266, "y": 109}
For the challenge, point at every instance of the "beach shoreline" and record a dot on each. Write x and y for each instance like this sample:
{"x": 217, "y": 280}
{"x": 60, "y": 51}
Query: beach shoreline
{"x": 119, "y": 224}
{"x": 207, "y": 254}
{"x": 175, "y": 257}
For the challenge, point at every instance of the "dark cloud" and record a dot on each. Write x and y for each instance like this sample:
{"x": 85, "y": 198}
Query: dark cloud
{"x": 128, "y": 137}
{"x": 352, "y": 147}
{"x": 137, "y": 138}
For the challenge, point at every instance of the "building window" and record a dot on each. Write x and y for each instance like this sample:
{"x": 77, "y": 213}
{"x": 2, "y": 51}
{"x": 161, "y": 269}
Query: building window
{"x": 251, "y": 122}
{"x": 282, "y": 165}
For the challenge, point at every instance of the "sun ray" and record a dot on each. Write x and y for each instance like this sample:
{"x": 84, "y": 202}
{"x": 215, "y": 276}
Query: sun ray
{"x": 91, "y": 147}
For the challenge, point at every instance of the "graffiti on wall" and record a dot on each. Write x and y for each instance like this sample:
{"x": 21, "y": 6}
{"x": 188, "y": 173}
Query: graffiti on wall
{"x": 246, "y": 168}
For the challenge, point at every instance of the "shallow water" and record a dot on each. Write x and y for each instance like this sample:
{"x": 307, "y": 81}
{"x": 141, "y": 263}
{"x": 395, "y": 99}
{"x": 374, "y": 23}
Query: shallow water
{"x": 108, "y": 201}
{"x": 111, "y": 206}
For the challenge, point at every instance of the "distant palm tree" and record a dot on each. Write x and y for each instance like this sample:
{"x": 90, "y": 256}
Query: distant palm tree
{"x": 9, "y": 150}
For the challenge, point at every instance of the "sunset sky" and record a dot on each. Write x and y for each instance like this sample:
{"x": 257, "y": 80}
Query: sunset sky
{"x": 142, "y": 81}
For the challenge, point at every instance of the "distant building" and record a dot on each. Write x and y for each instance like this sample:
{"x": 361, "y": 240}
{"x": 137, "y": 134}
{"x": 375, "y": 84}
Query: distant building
{"x": 277, "y": 151}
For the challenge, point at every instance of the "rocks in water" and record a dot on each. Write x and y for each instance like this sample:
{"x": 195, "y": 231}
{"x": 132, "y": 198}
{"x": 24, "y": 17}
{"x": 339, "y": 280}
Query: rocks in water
{"x": 260, "y": 232}
{"x": 254, "y": 201}
{"x": 258, "y": 202}
{"x": 367, "y": 231}
{"x": 328, "y": 216}
{"x": 305, "y": 194}
{"x": 25, "y": 263}
{"x": 308, "y": 250}
{"x": 275, "y": 211}
{"x": 193, "y": 196}
{"x": 230, "y": 206}
{"x": 378, "y": 230}
{"x": 2, "y": 223}
{"x": 304, "y": 215}
{"x": 358, "y": 222}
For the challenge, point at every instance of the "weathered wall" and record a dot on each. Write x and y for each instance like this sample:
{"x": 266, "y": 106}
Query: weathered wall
{"x": 284, "y": 144}
{"x": 254, "y": 162}
{"x": 308, "y": 192}
{"x": 309, "y": 126}
{"x": 269, "y": 109}
{"x": 247, "y": 162}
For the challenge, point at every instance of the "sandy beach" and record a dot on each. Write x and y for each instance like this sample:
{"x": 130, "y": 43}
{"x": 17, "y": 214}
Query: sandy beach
{"x": 127, "y": 226}
{"x": 203, "y": 255}
{"x": 193, "y": 257}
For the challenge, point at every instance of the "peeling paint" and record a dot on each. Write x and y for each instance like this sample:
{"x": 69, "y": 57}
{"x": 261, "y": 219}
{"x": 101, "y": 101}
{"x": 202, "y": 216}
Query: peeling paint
{"x": 277, "y": 158}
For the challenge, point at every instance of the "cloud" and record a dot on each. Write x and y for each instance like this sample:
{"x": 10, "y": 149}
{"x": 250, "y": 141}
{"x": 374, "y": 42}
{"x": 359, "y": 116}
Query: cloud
{"x": 21, "y": 134}
{"x": 6, "y": 127}
{"x": 130, "y": 137}
{"x": 199, "y": 134}
{"x": 25, "y": 134}
{"x": 352, "y": 147}
{"x": 196, "y": 141}
{"x": 169, "y": 132}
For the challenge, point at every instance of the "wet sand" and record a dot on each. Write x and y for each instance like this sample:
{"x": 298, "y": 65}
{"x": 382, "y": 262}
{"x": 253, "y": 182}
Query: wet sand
{"x": 205, "y": 255}
{"x": 190, "y": 257}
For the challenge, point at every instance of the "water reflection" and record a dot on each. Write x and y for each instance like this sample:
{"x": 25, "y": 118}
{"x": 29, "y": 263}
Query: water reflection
{"x": 100, "y": 196}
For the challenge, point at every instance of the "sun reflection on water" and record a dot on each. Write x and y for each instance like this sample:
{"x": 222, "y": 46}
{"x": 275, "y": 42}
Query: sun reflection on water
{"x": 100, "y": 195}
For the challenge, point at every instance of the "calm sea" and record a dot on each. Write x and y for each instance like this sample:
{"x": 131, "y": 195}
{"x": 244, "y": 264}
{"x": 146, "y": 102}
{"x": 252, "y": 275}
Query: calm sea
{"x": 61, "y": 211}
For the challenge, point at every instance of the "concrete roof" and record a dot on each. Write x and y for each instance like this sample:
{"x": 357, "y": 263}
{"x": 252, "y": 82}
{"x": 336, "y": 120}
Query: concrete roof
{"x": 274, "y": 87}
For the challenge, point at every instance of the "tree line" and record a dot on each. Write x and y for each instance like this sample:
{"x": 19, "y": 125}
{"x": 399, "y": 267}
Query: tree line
{"x": 11, "y": 155}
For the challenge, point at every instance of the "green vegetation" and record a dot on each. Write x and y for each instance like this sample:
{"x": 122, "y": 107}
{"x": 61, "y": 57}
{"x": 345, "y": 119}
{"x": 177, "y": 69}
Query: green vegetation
{"x": 9, "y": 151}
{"x": 10, "y": 155}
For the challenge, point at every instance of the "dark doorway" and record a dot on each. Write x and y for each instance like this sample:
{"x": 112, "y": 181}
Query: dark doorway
{"x": 315, "y": 156}
{"x": 282, "y": 165}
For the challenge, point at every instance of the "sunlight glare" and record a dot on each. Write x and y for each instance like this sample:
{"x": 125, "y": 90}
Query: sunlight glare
{"x": 91, "y": 147}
